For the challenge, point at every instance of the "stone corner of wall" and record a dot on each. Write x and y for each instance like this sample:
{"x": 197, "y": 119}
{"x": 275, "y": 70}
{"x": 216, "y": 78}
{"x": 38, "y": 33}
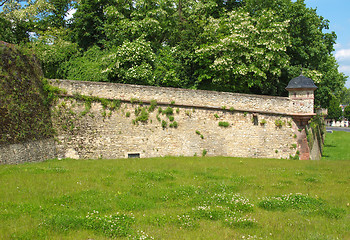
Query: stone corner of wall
{"x": 30, "y": 151}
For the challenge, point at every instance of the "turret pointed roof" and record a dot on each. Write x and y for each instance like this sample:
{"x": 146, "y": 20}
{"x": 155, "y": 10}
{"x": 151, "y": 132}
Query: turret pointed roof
{"x": 301, "y": 82}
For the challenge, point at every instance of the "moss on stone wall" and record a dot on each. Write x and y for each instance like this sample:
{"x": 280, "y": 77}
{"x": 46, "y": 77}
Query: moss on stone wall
{"x": 315, "y": 132}
{"x": 24, "y": 104}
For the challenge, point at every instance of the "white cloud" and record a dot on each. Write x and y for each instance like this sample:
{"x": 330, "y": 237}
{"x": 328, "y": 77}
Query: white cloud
{"x": 338, "y": 46}
{"x": 342, "y": 54}
{"x": 344, "y": 68}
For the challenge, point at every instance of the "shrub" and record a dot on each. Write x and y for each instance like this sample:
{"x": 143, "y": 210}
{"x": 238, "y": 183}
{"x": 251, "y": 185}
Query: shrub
{"x": 133, "y": 100}
{"x": 224, "y": 124}
{"x": 279, "y": 123}
{"x": 142, "y": 115}
{"x": 114, "y": 104}
{"x": 173, "y": 124}
{"x": 168, "y": 111}
{"x": 296, "y": 157}
{"x": 164, "y": 124}
{"x": 152, "y": 106}
{"x": 216, "y": 115}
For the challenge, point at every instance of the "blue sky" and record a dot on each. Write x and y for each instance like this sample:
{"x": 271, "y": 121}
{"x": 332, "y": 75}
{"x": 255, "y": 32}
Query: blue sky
{"x": 338, "y": 13}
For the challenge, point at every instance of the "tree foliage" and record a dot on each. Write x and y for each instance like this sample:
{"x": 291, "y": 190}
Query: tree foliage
{"x": 347, "y": 112}
{"x": 345, "y": 96}
{"x": 334, "y": 109}
{"x": 249, "y": 46}
{"x": 244, "y": 55}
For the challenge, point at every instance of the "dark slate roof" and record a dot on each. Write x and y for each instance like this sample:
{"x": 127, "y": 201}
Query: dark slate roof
{"x": 301, "y": 82}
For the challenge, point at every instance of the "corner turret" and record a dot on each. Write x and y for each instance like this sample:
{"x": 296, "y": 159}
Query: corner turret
{"x": 301, "y": 92}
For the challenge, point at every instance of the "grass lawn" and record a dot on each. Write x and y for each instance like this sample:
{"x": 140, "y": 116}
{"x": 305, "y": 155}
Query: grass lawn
{"x": 176, "y": 198}
{"x": 337, "y": 146}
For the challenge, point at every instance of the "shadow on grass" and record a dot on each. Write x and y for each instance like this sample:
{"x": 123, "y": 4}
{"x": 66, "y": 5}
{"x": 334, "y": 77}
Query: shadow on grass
{"x": 329, "y": 145}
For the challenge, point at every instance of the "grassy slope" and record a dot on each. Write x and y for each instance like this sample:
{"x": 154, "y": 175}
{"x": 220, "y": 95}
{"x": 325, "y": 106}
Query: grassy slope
{"x": 51, "y": 199}
{"x": 337, "y": 146}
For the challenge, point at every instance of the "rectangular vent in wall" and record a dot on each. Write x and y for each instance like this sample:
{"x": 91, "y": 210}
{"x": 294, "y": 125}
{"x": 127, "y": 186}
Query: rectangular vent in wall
{"x": 133, "y": 155}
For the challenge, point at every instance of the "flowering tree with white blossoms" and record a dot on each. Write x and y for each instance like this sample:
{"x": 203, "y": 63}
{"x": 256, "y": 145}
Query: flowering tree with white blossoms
{"x": 132, "y": 62}
{"x": 245, "y": 53}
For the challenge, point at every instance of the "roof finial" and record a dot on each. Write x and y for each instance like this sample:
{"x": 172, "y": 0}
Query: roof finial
{"x": 301, "y": 71}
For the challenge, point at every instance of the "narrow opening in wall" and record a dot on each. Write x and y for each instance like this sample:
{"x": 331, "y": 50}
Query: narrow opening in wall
{"x": 133, "y": 155}
{"x": 255, "y": 120}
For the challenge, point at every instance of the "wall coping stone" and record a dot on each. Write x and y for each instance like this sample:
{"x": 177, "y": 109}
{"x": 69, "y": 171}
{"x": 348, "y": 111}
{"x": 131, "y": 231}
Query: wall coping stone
{"x": 184, "y": 97}
{"x": 52, "y": 81}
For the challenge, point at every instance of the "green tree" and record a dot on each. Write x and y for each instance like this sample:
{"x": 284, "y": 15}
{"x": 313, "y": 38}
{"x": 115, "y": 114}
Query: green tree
{"x": 334, "y": 109}
{"x": 89, "y": 66}
{"x": 87, "y": 23}
{"x": 347, "y": 112}
{"x": 146, "y": 20}
{"x": 310, "y": 48}
{"x": 132, "y": 62}
{"x": 345, "y": 96}
{"x": 53, "y": 50}
{"x": 28, "y": 18}
{"x": 13, "y": 29}
{"x": 247, "y": 53}
{"x": 329, "y": 82}
{"x": 6, "y": 33}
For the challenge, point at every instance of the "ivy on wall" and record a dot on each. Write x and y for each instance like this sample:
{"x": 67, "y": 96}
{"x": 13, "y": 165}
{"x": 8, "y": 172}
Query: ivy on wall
{"x": 24, "y": 106}
{"x": 316, "y": 130}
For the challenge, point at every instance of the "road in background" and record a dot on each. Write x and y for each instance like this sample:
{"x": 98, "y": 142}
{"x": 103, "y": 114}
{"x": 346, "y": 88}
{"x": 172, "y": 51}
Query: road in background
{"x": 344, "y": 129}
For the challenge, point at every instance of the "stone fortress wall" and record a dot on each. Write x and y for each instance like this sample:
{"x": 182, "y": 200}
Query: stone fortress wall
{"x": 31, "y": 151}
{"x": 259, "y": 126}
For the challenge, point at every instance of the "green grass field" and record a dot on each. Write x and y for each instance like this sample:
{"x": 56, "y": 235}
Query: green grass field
{"x": 337, "y": 146}
{"x": 176, "y": 198}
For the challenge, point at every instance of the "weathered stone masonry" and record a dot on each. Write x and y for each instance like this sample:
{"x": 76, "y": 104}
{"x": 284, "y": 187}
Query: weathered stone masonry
{"x": 31, "y": 151}
{"x": 259, "y": 126}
